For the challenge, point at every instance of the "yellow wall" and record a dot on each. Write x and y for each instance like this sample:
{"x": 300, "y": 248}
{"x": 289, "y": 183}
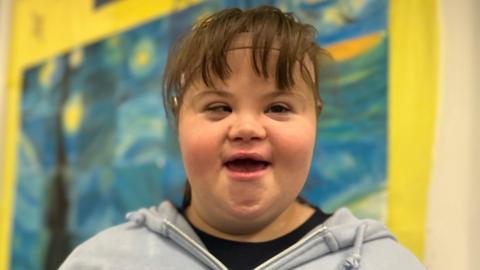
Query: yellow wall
{"x": 43, "y": 28}
{"x": 412, "y": 105}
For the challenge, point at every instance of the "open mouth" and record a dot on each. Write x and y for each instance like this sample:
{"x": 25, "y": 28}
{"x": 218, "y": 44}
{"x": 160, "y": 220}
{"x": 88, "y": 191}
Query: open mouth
{"x": 246, "y": 165}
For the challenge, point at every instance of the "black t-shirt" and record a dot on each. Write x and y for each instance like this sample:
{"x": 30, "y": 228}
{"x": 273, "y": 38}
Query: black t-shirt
{"x": 245, "y": 255}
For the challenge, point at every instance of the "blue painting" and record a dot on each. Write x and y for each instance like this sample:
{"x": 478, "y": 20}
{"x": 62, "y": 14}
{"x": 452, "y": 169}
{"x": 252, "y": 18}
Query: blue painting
{"x": 95, "y": 142}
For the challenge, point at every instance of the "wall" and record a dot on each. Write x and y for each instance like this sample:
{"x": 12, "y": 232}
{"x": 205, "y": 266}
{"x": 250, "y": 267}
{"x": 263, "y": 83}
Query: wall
{"x": 452, "y": 230}
{"x": 475, "y": 199}
{"x": 5, "y": 10}
{"x": 28, "y": 51}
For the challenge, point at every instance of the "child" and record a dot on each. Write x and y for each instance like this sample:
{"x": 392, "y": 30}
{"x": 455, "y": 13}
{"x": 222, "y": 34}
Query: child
{"x": 242, "y": 88}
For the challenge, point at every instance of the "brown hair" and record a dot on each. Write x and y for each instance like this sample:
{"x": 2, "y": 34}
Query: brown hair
{"x": 202, "y": 53}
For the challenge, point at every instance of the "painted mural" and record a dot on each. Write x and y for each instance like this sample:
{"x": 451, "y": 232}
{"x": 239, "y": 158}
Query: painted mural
{"x": 95, "y": 142}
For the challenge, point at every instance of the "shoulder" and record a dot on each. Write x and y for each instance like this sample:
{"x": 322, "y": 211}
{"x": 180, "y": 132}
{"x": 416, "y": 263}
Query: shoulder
{"x": 128, "y": 246}
{"x": 371, "y": 242}
{"x": 379, "y": 254}
{"x": 387, "y": 253}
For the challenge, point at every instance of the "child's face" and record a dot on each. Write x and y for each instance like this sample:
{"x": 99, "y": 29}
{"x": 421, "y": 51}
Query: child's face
{"x": 246, "y": 146}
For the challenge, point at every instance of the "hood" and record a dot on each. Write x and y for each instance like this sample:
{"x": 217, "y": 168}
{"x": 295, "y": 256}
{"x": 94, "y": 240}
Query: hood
{"x": 340, "y": 232}
{"x": 345, "y": 230}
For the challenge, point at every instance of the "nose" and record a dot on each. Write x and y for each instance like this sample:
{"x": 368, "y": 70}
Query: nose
{"x": 247, "y": 128}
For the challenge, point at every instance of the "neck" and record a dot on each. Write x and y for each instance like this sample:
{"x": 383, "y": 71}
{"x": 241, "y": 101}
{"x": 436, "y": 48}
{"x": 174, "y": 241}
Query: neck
{"x": 290, "y": 219}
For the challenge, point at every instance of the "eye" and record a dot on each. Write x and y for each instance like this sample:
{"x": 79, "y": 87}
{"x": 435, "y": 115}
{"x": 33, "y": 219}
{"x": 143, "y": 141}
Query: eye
{"x": 219, "y": 108}
{"x": 278, "y": 108}
{"x": 217, "y": 111}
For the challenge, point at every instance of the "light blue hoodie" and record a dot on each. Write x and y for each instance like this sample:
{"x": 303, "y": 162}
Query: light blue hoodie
{"x": 160, "y": 238}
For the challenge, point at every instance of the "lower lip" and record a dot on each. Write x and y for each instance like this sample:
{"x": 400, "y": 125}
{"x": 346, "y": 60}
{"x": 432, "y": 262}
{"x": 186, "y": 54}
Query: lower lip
{"x": 246, "y": 176}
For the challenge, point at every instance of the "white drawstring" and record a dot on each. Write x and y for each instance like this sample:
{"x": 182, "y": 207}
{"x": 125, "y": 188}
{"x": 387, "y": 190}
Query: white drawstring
{"x": 353, "y": 261}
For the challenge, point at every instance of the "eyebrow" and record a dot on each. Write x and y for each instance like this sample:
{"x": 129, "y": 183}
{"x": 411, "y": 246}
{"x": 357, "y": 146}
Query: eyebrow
{"x": 216, "y": 92}
{"x": 275, "y": 94}
{"x": 286, "y": 93}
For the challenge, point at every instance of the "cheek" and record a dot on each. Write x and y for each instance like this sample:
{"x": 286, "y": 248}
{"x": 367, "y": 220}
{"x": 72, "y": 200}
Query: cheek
{"x": 296, "y": 146}
{"x": 199, "y": 150}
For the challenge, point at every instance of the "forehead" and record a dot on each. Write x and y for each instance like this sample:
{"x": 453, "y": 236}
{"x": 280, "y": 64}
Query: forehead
{"x": 241, "y": 63}
{"x": 240, "y": 67}
{"x": 245, "y": 40}
{"x": 242, "y": 51}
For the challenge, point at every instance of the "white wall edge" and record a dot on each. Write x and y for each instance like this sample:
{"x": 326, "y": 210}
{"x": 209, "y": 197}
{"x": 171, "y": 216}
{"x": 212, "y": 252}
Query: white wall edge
{"x": 474, "y": 203}
{"x": 453, "y": 200}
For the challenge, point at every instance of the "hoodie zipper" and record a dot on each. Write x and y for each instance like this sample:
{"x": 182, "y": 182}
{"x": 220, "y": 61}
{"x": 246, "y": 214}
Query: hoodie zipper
{"x": 264, "y": 265}
{"x": 290, "y": 249}
{"x": 205, "y": 252}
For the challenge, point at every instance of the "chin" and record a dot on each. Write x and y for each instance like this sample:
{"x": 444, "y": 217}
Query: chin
{"x": 254, "y": 210}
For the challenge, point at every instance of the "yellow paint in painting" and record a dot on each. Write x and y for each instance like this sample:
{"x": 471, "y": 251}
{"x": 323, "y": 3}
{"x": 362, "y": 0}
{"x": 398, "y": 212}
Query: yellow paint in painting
{"x": 358, "y": 4}
{"x": 353, "y": 77}
{"x": 351, "y": 48}
{"x": 333, "y": 16}
{"x": 76, "y": 57}
{"x": 46, "y": 73}
{"x": 142, "y": 58}
{"x": 349, "y": 8}
{"x": 141, "y": 61}
{"x": 73, "y": 114}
